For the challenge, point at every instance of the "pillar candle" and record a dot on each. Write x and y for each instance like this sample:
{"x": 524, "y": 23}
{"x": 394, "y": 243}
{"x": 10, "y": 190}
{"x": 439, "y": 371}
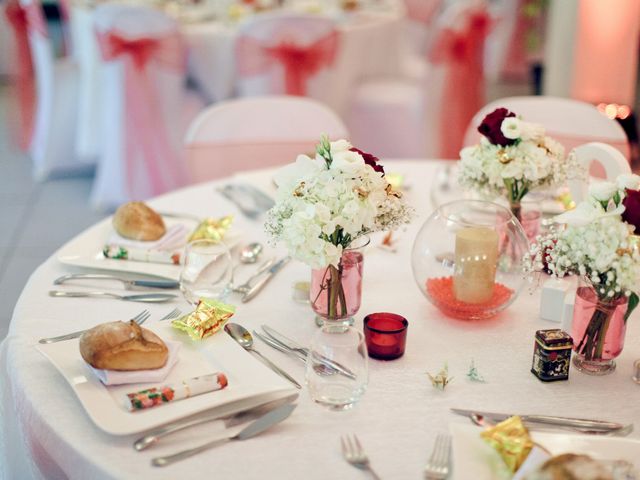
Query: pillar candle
{"x": 476, "y": 257}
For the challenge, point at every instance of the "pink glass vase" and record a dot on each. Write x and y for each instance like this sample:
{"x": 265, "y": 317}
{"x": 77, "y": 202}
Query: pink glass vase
{"x": 336, "y": 292}
{"x": 598, "y": 331}
{"x": 529, "y": 216}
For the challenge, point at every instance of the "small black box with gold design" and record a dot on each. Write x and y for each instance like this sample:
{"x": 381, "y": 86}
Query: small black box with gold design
{"x": 552, "y": 355}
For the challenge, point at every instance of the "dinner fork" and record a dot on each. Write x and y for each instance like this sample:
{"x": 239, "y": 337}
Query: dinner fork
{"x": 354, "y": 454}
{"x": 175, "y": 313}
{"x": 437, "y": 468}
{"x": 139, "y": 319}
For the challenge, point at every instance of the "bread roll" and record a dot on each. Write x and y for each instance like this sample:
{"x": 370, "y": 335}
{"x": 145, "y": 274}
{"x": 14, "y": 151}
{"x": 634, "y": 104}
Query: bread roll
{"x": 570, "y": 466}
{"x": 123, "y": 346}
{"x": 137, "y": 221}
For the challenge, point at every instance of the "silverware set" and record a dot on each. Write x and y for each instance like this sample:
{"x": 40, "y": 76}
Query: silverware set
{"x": 256, "y": 282}
{"x": 249, "y": 200}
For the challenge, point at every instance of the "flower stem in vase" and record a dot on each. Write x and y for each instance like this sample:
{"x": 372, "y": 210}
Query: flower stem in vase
{"x": 516, "y": 209}
{"x": 599, "y": 324}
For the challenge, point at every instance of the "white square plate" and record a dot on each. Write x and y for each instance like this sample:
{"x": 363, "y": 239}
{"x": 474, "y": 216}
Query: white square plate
{"x": 250, "y": 382}
{"x": 85, "y": 250}
{"x": 473, "y": 458}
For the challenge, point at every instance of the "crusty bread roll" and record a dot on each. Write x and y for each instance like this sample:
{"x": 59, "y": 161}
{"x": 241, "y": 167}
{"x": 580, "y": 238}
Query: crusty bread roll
{"x": 137, "y": 221}
{"x": 122, "y": 346}
{"x": 570, "y": 466}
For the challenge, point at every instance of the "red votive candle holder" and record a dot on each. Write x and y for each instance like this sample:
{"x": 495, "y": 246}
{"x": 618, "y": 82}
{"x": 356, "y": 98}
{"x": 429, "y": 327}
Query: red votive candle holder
{"x": 385, "y": 335}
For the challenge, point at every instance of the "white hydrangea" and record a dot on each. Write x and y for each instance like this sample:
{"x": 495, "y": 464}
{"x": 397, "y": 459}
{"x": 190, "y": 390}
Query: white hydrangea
{"x": 321, "y": 206}
{"x": 532, "y": 162}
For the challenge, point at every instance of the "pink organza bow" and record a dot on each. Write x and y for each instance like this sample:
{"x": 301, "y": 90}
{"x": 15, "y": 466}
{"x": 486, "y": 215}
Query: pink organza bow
{"x": 461, "y": 52}
{"x": 146, "y": 135}
{"x": 300, "y": 62}
{"x": 24, "y": 19}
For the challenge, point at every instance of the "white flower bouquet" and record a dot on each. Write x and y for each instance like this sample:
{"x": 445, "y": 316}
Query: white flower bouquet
{"x": 513, "y": 158}
{"x": 325, "y": 203}
{"x": 596, "y": 242}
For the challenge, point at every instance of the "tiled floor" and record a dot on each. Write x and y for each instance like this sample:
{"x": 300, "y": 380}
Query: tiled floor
{"x": 35, "y": 218}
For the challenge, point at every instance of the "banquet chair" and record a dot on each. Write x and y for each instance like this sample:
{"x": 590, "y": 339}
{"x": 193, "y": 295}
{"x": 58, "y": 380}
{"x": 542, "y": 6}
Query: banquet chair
{"x": 409, "y": 118}
{"x": 145, "y": 108}
{"x": 51, "y": 142}
{"x": 571, "y": 122}
{"x": 421, "y": 17}
{"x": 257, "y": 132}
{"x": 286, "y": 53}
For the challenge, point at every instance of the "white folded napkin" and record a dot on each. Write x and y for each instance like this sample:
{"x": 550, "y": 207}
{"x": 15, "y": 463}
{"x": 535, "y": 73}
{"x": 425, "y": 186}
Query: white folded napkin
{"x": 115, "y": 377}
{"x": 175, "y": 237}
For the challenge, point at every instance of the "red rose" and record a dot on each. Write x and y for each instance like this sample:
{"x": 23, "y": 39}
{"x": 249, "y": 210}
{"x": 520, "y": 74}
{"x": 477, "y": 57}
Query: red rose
{"x": 369, "y": 159}
{"x": 631, "y": 213}
{"x": 490, "y": 127}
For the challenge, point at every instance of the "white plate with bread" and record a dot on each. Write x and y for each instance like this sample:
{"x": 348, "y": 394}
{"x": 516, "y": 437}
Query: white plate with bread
{"x": 249, "y": 381}
{"x": 473, "y": 458}
{"x": 137, "y": 223}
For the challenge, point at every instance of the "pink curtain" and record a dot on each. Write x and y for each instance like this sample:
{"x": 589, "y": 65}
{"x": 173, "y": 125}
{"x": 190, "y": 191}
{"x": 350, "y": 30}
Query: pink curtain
{"x": 146, "y": 135}
{"x": 462, "y": 53}
{"x": 300, "y": 62}
{"x": 25, "y": 19}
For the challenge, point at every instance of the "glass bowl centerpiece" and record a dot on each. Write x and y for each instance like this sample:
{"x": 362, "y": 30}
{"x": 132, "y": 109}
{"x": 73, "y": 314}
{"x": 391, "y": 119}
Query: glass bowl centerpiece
{"x": 596, "y": 242}
{"x": 325, "y": 206}
{"x": 514, "y": 158}
{"x": 467, "y": 259}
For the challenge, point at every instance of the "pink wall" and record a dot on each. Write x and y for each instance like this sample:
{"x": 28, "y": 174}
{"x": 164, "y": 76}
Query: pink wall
{"x": 606, "y": 51}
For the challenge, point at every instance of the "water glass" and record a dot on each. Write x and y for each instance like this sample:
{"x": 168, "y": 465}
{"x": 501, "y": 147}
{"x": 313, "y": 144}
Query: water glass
{"x": 207, "y": 271}
{"x": 341, "y": 345}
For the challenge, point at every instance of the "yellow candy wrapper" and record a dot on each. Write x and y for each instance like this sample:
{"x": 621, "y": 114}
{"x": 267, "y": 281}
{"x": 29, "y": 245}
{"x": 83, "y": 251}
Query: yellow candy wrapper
{"x": 212, "y": 229}
{"x": 511, "y": 440}
{"x": 208, "y": 317}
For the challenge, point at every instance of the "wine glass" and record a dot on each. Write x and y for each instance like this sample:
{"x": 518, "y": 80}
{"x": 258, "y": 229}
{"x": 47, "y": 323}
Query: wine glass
{"x": 207, "y": 271}
{"x": 343, "y": 346}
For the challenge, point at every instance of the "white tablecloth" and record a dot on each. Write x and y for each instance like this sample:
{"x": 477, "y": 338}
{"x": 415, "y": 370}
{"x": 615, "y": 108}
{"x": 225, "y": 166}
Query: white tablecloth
{"x": 397, "y": 419}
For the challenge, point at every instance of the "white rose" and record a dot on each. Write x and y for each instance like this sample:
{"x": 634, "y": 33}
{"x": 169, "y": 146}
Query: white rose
{"x": 346, "y": 160}
{"x": 303, "y": 167}
{"x": 603, "y": 191}
{"x": 339, "y": 146}
{"x": 629, "y": 181}
{"x": 511, "y": 128}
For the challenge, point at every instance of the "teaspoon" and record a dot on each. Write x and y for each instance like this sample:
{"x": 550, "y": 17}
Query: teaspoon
{"x": 245, "y": 339}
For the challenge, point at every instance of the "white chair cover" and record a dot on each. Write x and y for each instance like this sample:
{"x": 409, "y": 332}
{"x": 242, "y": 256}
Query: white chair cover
{"x": 282, "y": 30}
{"x": 256, "y": 133}
{"x": 54, "y": 130}
{"x": 142, "y": 124}
{"x": 571, "y": 122}
{"x": 402, "y": 118}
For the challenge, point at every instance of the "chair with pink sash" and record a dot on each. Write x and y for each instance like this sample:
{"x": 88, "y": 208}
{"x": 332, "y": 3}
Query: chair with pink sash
{"x": 257, "y": 132}
{"x": 51, "y": 144}
{"x": 285, "y": 53}
{"x": 428, "y": 117}
{"x": 570, "y": 122}
{"x": 145, "y": 108}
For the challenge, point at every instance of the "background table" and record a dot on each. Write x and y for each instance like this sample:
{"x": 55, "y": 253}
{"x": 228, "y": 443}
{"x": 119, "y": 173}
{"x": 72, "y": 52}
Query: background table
{"x": 397, "y": 419}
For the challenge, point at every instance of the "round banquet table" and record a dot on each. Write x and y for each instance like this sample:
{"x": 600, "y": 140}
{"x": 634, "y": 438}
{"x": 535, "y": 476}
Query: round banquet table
{"x": 46, "y": 432}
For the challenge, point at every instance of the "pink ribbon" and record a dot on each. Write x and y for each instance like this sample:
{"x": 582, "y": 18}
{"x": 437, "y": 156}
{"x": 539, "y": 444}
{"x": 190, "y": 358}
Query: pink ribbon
{"x": 300, "y": 62}
{"x": 25, "y": 19}
{"x": 461, "y": 52}
{"x": 145, "y": 131}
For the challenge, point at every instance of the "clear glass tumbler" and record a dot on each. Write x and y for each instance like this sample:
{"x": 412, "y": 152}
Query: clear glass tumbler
{"x": 207, "y": 271}
{"x": 342, "y": 347}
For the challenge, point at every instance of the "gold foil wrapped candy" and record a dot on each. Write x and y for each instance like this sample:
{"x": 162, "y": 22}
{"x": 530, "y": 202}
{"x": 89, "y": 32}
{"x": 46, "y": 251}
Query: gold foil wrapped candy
{"x": 212, "y": 229}
{"x": 511, "y": 440}
{"x": 208, "y": 317}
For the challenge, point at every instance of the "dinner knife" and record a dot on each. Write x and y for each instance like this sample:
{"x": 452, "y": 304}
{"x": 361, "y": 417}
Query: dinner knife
{"x": 232, "y": 420}
{"x": 295, "y": 347}
{"x": 170, "y": 284}
{"x": 259, "y": 285}
{"x": 546, "y": 419}
{"x": 254, "y": 428}
{"x": 144, "y": 297}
